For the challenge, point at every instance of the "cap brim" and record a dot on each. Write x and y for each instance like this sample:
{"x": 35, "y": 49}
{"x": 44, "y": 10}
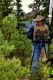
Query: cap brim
{"x": 39, "y": 19}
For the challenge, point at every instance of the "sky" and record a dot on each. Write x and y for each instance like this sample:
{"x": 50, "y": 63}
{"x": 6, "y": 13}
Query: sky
{"x": 25, "y": 4}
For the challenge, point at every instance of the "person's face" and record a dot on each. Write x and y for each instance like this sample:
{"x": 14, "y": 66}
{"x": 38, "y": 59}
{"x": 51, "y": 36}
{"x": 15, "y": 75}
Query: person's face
{"x": 39, "y": 23}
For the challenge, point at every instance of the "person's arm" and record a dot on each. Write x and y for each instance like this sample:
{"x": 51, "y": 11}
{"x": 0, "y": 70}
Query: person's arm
{"x": 31, "y": 30}
{"x": 30, "y": 33}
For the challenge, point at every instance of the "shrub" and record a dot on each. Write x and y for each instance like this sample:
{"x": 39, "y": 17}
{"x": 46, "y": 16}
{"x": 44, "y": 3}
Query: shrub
{"x": 11, "y": 69}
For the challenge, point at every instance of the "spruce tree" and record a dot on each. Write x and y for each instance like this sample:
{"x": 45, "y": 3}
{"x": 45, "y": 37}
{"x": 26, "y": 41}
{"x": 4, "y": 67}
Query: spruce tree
{"x": 45, "y": 10}
{"x": 20, "y": 15}
{"x": 6, "y": 7}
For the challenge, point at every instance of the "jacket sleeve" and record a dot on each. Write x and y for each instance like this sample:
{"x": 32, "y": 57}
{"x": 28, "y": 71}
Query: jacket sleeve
{"x": 30, "y": 33}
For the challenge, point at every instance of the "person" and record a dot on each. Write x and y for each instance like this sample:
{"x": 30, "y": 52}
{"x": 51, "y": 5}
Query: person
{"x": 37, "y": 32}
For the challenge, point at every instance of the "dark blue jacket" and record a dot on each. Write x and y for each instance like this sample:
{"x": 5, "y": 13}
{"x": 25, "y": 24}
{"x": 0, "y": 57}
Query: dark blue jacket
{"x": 31, "y": 30}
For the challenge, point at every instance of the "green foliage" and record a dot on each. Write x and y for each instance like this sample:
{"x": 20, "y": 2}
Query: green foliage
{"x": 12, "y": 40}
{"x": 6, "y": 48}
{"x": 51, "y": 49}
{"x": 1, "y": 37}
{"x": 11, "y": 69}
{"x": 42, "y": 71}
{"x": 6, "y": 7}
{"x": 45, "y": 5}
{"x": 9, "y": 21}
{"x": 8, "y": 27}
{"x": 20, "y": 15}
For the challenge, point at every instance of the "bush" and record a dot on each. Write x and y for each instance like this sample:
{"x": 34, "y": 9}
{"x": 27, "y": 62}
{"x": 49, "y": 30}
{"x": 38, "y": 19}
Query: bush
{"x": 11, "y": 69}
{"x": 42, "y": 71}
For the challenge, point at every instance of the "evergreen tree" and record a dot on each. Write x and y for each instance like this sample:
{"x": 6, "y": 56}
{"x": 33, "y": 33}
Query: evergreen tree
{"x": 36, "y": 5}
{"x": 20, "y": 15}
{"x": 45, "y": 10}
{"x": 6, "y": 7}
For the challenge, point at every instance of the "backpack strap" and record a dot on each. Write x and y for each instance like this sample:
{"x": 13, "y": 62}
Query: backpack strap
{"x": 35, "y": 29}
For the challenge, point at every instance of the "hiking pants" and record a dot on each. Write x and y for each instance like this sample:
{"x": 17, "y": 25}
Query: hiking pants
{"x": 36, "y": 50}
